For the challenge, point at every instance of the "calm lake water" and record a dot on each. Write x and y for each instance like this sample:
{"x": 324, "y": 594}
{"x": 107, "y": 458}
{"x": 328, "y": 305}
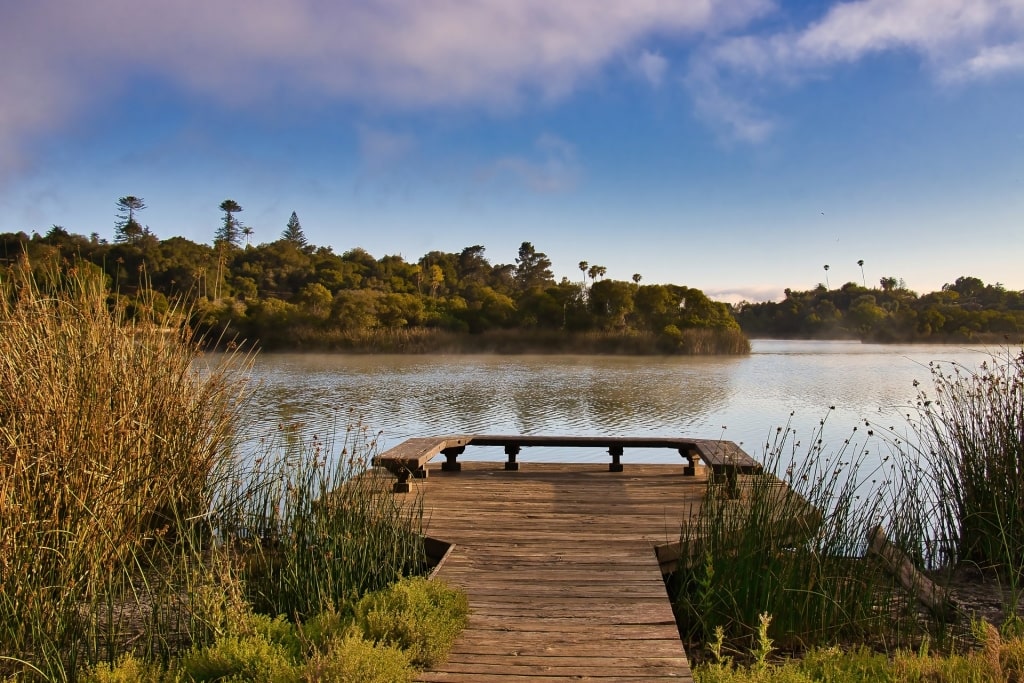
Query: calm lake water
{"x": 743, "y": 399}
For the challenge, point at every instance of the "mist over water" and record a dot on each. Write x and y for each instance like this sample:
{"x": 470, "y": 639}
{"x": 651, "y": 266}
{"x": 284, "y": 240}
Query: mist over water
{"x": 743, "y": 399}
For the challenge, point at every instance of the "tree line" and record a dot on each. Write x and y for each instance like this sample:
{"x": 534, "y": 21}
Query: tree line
{"x": 966, "y": 310}
{"x": 288, "y": 292}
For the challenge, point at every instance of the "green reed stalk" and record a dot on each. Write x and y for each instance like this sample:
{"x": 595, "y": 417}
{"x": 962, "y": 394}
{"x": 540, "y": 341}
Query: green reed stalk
{"x": 316, "y": 528}
{"x": 762, "y": 554}
{"x": 970, "y": 439}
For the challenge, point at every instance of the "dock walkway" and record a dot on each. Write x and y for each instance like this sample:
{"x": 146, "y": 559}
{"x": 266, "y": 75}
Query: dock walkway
{"x": 559, "y": 566}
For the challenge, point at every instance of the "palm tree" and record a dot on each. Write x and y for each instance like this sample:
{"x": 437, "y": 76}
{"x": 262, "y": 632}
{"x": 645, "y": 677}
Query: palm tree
{"x": 862, "y": 279}
{"x": 826, "y": 277}
{"x": 637, "y": 277}
{"x": 247, "y": 231}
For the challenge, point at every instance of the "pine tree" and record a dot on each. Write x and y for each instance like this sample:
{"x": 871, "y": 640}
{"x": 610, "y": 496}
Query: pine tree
{"x": 230, "y": 233}
{"x": 126, "y": 228}
{"x": 293, "y": 232}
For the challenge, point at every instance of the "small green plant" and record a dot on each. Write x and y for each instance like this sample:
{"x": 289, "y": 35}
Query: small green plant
{"x": 353, "y": 659}
{"x": 402, "y": 628}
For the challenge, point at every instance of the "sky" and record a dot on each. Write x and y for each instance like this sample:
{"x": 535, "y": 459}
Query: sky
{"x": 736, "y": 146}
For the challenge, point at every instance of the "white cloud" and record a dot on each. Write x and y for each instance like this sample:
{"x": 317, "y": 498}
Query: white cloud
{"x": 651, "y": 67}
{"x": 60, "y": 58}
{"x": 752, "y": 294}
{"x": 956, "y": 40}
{"x": 990, "y": 62}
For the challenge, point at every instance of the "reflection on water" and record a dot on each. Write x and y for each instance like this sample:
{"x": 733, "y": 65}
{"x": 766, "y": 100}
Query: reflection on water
{"x": 743, "y": 399}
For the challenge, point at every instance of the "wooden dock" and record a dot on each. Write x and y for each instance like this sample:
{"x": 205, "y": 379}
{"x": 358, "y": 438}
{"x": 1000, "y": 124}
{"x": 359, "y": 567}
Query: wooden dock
{"x": 559, "y": 564}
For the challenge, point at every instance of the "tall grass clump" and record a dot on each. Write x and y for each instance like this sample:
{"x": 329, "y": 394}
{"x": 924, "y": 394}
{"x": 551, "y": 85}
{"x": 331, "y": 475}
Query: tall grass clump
{"x": 314, "y": 528}
{"x": 110, "y": 440}
{"x": 970, "y": 436}
{"x": 141, "y": 526}
{"x": 791, "y": 546}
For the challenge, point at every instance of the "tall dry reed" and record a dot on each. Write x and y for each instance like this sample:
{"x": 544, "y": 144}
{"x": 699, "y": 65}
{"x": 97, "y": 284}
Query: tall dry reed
{"x": 112, "y": 430}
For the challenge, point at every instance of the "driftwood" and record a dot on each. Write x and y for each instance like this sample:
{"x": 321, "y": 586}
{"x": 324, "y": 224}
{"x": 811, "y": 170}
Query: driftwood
{"x": 896, "y": 562}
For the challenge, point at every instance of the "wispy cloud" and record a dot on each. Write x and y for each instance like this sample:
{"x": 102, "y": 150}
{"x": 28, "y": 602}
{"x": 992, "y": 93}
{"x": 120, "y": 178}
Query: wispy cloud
{"x": 651, "y": 67}
{"x": 382, "y": 149}
{"x": 552, "y": 167}
{"x": 956, "y": 41}
{"x": 58, "y": 59}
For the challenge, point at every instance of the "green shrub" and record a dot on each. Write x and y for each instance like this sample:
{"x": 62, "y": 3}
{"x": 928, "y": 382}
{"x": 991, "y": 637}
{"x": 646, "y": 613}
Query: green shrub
{"x": 422, "y": 617}
{"x": 240, "y": 658}
{"x": 352, "y": 659}
{"x": 127, "y": 669}
{"x": 971, "y": 435}
{"x": 314, "y": 526}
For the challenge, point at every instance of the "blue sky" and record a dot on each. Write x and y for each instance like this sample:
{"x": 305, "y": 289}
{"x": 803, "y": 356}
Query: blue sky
{"x": 736, "y": 146}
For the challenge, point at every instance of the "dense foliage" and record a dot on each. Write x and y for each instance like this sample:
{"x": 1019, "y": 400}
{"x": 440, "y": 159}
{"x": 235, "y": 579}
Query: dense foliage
{"x": 966, "y": 310}
{"x": 291, "y": 294}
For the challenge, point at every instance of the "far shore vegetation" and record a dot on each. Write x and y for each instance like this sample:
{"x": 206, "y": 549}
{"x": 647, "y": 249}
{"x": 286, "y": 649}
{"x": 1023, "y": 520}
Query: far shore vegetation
{"x": 288, "y": 294}
{"x": 145, "y": 536}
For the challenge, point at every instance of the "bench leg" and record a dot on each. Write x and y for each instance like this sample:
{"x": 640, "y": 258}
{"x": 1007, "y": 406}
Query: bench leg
{"x": 731, "y": 484}
{"x": 693, "y": 459}
{"x": 451, "y": 464}
{"x": 512, "y": 452}
{"x": 402, "y": 484}
{"x": 616, "y": 453}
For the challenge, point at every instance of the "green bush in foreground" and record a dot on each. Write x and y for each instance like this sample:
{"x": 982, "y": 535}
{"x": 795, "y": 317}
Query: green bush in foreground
{"x": 420, "y": 616}
{"x": 789, "y": 546}
{"x": 391, "y": 634}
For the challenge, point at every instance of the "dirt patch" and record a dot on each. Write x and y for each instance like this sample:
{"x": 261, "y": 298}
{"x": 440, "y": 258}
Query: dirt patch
{"x": 981, "y": 594}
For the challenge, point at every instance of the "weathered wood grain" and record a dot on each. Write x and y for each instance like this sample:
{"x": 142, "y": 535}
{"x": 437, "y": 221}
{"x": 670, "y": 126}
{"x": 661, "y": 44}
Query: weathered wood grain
{"x": 559, "y": 566}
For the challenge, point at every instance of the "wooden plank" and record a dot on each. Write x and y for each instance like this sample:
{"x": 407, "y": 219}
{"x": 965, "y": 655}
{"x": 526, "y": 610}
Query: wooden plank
{"x": 555, "y": 593}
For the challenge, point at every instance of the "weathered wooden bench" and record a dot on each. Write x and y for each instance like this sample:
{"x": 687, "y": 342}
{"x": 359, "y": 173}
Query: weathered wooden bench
{"x": 409, "y": 458}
